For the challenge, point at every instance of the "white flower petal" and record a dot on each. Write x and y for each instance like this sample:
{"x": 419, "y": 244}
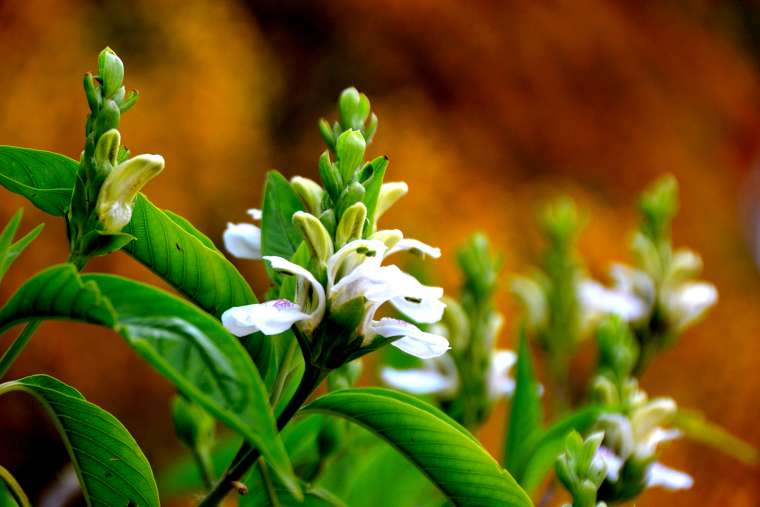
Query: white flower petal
{"x": 612, "y": 462}
{"x": 426, "y": 311}
{"x": 272, "y": 317}
{"x": 347, "y": 258}
{"x": 417, "y": 381}
{"x": 689, "y": 301}
{"x": 413, "y": 340}
{"x": 280, "y": 264}
{"x": 255, "y": 213}
{"x": 668, "y": 478}
{"x": 499, "y": 382}
{"x": 243, "y": 241}
{"x": 408, "y": 244}
{"x": 597, "y": 298}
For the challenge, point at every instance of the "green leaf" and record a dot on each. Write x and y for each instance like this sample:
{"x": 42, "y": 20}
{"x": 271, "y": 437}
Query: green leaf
{"x": 111, "y": 467}
{"x": 278, "y": 234}
{"x": 43, "y": 177}
{"x": 10, "y": 251}
{"x": 695, "y": 426}
{"x": 170, "y": 247}
{"x": 454, "y": 462}
{"x": 525, "y": 412}
{"x": 545, "y": 446}
{"x": 186, "y": 345}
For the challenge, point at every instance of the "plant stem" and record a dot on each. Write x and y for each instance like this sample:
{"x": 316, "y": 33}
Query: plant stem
{"x": 16, "y": 491}
{"x": 248, "y": 455}
{"x": 17, "y": 347}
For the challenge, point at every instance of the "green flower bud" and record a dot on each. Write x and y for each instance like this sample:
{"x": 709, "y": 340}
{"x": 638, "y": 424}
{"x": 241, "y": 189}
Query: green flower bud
{"x": 326, "y": 131}
{"x": 117, "y": 195}
{"x": 658, "y": 206}
{"x": 107, "y": 149}
{"x": 685, "y": 264}
{"x": 371, "y": 128}
{"x": 328, "y": 220}
{"x": 353, "y": 108}
{"x": 560, "y": 221}
{"x": 194, "y": 426}
{"x": 330, "y": 175}
{"x": 108, "y": 118}
{"x": 350, "y": 195}
{"x": 315, "y": 234}
{"x": 128, "y": 101}
{"x": 618, "y": 350}
{"x": 351, "y": 224}
{"x": 389, "y": 237}
{"x": 578, "y": 471}
{"x": 310, "y": 193}
{"x": 655, "y": 413}
{"x": 604, "y": 391}
{"x": 93, "y": 97}
{"x": 350, "y": 149}
{"x": 389, "y": 194}
{"x": 111, "y": 70}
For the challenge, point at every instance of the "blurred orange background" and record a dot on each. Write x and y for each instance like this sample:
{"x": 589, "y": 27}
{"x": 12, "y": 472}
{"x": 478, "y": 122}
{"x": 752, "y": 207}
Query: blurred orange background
{"x": 486, "y": 109}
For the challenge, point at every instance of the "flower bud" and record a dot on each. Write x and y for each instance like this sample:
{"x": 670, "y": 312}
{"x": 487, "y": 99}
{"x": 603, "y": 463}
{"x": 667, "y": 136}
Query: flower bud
{"x": 353, "y": 108}
{"x": 315, "y": 234}
{"x": 351, "y": 224}
{"x": 111, "y": 70}
{"x": 117, "y": 195}
{"x": 328, "y": 136}
{"x": 350, "y": 195}
{"x": 389, "y": 194}
{"x": 108, "y": 118}
{"x": 533, "y": 299}
{"x": 389, "y": 237}
{"x": 330, "y": 175}
{"x": 328, "y": 220}
{"x": 93, "y": 97}
{"x": 685, "y": 264}
{"x": 350, "y": 149}
{"x": 371, "y": 128}
{"x": 310, "y": 193}
{"x": 107, "y": 149}
{"x": 657, "y": 412}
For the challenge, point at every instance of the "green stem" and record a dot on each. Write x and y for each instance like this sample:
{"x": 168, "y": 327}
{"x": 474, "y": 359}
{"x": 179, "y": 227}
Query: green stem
{"x": 15, "y": 487}
{"x": 248, "y": 455}
{"x": 10, "y": 355}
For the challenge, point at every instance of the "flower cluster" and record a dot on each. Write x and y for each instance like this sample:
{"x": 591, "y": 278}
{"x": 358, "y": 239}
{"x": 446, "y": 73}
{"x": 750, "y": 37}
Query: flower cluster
{"x": 341, "y": 281}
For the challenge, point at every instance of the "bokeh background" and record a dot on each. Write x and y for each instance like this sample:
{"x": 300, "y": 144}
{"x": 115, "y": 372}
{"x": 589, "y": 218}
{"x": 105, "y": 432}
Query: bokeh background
{"x": 486, "y": 108}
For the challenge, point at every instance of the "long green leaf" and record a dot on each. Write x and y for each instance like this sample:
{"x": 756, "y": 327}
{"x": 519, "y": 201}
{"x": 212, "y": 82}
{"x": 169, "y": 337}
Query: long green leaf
{"x": 43, "y": 177}
{"x": 111, "y": 467}
{"x": 456, "y": 464}
{"x": 544, "y": 447}
{"x": 9, "y": 251}
{"x": 184, "y": 344}
{"x": 278, "y": 234}
{"x": 525, "y": 412}
{"x": 695, "y": 426}
{"x": 170, "y": 247}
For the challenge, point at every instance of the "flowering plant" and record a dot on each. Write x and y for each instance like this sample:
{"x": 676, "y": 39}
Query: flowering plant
{"x": 253, "y": 366}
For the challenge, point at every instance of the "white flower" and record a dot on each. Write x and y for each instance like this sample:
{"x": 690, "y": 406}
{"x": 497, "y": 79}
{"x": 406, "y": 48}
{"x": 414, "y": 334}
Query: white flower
{"x": 597, "y": 300}
{"x": 244, "y": 240}
{"x": 687, "y": 302}
{"x": 638, "y": 437}
{"x": 276, "y": 316}
{"x": 439, "y": 376}
{"x": 116, "y": 197}
{"x": 354, "y": 271}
